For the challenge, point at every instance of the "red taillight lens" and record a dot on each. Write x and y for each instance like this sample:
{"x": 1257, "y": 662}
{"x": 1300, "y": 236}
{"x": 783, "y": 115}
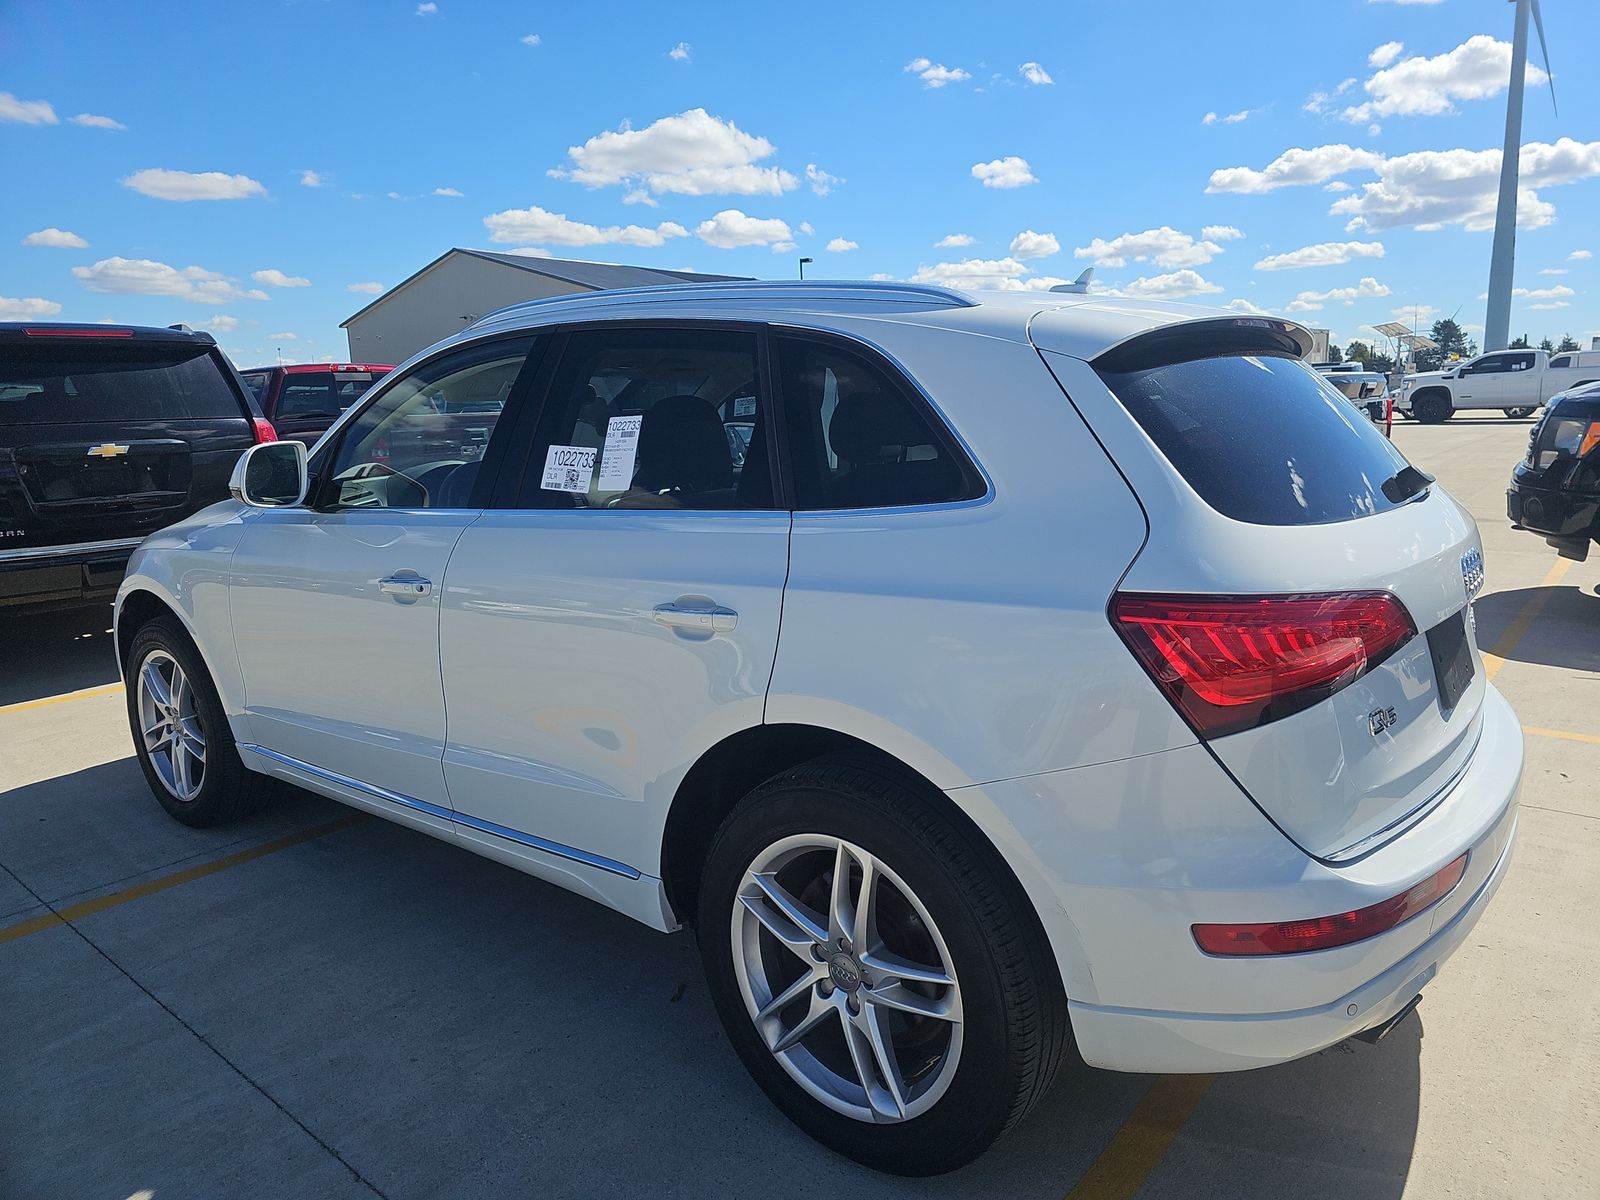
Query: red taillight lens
{"x": 94, "y": 331}
{"x": 1234, "y": 662}
{"x": 264, "y": 430}
{"x": 1323, "y": 933}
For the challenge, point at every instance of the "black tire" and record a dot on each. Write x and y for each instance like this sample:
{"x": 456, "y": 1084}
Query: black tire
{"x": 228, "y": 789}
{"x": 1015, "y": 1026}
{"x": 1517, "y": 413}
{"x": 1432, "y": 408}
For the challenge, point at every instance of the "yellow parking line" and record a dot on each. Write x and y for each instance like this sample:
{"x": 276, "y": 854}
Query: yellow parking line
{"x": 150, "y": 887}
{"x": 1495, "y": 657}
{"x": 1142, "y": 1142}
{"x": 109, "y": 689}
{"x": 1592, "y": 738}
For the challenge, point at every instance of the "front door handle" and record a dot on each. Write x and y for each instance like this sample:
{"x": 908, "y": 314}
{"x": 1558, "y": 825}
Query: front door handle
{"x": 405, "y": 587}
{"x": 704, "y": 618}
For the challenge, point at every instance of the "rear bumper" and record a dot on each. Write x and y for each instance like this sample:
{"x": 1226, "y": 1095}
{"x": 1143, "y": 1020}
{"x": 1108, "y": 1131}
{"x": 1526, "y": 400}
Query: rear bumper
{"x": 51, "y": 575}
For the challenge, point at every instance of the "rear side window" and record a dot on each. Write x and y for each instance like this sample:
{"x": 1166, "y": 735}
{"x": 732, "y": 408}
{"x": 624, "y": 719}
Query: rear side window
{"x": 256, "y": 381}
{"x": 320, "y": 393}
{"x": 130, "y": 381}
{"x": 1557, "y": 363}
{"x": 1262, "y": 439}
{"x": 858, "y": 439}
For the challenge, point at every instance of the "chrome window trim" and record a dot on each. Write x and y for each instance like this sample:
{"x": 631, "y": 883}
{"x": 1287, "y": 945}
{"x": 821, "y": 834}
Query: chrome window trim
{"x": 570, "y": 853}
{"x": 71, "y": 549}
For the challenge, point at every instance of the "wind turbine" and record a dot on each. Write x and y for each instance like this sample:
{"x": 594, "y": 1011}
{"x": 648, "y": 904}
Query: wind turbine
{"x": 1497, "y": 324}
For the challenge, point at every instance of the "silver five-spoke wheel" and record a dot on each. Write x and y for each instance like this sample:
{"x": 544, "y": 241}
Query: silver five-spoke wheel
{"x": 847, "y": 978}
{"x": 170, "y": 725}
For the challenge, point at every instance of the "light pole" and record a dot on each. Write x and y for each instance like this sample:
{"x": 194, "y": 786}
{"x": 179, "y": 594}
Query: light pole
{"x": 803, "y": 263}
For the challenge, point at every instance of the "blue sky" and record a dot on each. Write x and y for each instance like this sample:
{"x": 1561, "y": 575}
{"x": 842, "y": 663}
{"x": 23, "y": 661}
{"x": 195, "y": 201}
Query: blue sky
{"x": 348, "y": 143}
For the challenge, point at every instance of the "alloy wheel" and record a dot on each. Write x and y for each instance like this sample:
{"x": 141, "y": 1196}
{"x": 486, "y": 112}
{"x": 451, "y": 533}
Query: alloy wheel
{"x": 847, "y": 979}
{"x": 169, "y": 723}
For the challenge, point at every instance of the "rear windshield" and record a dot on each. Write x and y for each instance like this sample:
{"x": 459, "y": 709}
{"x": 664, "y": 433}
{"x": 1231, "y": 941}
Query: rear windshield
{"x": 126, "y": 381}
{"x": 1262, "y": 439}
{"x": 322, "y": 393}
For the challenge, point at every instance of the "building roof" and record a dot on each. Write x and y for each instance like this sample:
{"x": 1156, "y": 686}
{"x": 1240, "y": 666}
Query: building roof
{"x": 597, "y": 276}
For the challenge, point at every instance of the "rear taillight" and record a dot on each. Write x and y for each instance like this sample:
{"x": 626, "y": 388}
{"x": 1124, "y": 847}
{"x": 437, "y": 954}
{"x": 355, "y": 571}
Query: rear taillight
{"x": 1324, "y": 933}
{"x": 263, "y": 430}
{"x": 93, "y": 331}
{"x": 1234, "y": 662}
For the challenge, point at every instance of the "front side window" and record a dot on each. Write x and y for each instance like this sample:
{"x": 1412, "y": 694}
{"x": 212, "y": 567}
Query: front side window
{"x": 420, "y": 443}
{"x": 1493, "y": 364}
{"x": 857, "y": 438}
{"x": 653, "y": 418}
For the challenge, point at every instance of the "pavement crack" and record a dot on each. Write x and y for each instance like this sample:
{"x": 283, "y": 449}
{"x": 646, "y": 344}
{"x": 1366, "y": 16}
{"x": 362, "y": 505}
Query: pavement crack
{"x": 202, "y": 1039}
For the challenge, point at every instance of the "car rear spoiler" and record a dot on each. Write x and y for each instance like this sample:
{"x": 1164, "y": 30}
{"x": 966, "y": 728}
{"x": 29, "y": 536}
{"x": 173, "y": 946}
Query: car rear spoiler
{"x": 1207, "y": 337}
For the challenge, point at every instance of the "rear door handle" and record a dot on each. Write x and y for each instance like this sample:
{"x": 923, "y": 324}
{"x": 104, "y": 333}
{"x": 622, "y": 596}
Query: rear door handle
{"x": 406, "y": 587}
{"x": 709, "y": 618}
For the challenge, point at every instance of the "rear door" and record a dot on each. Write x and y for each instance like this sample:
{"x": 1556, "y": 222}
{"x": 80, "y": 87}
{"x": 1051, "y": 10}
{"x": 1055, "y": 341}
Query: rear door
{"x": 1482, "y": 383}
{"x": 111, "y": 437}
{"x": 619, "y": 615}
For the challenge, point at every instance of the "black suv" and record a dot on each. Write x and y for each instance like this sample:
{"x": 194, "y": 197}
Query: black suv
{"x": 1555, "y": 491}
{"x": 107, "y": 433}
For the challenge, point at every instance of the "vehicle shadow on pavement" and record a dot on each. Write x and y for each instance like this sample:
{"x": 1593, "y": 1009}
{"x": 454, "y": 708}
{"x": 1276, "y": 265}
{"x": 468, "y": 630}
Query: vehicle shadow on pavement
{"x": 1566, "y": 634}
{"x": 453, "y": 1028}
{"x": 49, "y": 653}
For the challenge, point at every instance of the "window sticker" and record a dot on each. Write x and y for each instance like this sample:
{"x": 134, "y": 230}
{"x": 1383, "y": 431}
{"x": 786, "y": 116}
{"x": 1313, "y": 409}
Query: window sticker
{"x": 568, "y": 469}
{"x": 744, "y": 406}
{"x": 622, "y": 446}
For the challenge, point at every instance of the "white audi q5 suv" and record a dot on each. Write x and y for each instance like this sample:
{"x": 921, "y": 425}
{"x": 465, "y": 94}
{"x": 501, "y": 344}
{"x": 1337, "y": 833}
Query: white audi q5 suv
{"x": 978, "y": 674}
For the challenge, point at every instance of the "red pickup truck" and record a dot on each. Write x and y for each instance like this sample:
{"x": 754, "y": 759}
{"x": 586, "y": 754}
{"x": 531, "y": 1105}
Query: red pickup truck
{"x": 302, "y": 400}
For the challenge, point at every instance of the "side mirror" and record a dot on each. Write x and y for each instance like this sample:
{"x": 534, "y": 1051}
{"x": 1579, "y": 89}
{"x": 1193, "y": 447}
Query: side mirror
{"x": 271, "y": 475}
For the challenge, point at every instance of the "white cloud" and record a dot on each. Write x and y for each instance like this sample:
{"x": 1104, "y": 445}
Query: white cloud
{"x": 1247, "y": 307}
{"x": 541, "y": 252}
{"x": 370, "y": 288}
{"x": 680, "y": 52}
{"x": 1035, "y": 74}
{"x": 26, "y": 308}
{"x": 310, "y": 179}
{"x": 96, "y": 121}
{"x": 691, "y": 154}
{"x": 1385, "y": 54}
{"x": 782, "y": 247}
{"x": 162, "y": 184}
{"x": 952, "y": 240}
{"x": 936, "y": 75}
{"x": 821, "y": 182}
{"x": 272, "y": 277}
{"x": 840, "y": 245}
{"x": 54, "y": 237}
{"x": 530, "y": 39}
{"x": 534, "y": 224}
{"x": 1008, "y": 172}
{"x": 805, "y": 228}
{"x": 1368, "y": 288}
{"x": 731, "y": 228}
{"x": 1212, "y": 118}
{"x": 219, "y": 323}
{"x": 1337, "y": 185}
{"x": 1323, "y": 254}
{"x": 1434, "y": 188}
{"x": 1475, "y": 70}
{"x": 1166, "y": 247}
{"x": 1418, "y": 316}
{"x": 427, "y": 9}
{"x": 1170, "y": 286}
{"x": 974, "y": 273}
{"x": 119, "y": 276}
{"x": 1029, "y": 244}
{"x": 27, "y": 112}
{"x": 1579, "y": 255}
{"x": 1554, "y": 271}
{"x": 282, "y": 337}
{"x": 1220, "y": 233}
{"x": 447, "y": 191}
{"x": 1296, "y": 166}
{"x": 1551, "y": 305}
{"x": 1558, "y": 292}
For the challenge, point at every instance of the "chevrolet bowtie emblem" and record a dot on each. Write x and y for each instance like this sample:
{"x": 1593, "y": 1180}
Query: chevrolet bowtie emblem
{"x": 107, "y": 450}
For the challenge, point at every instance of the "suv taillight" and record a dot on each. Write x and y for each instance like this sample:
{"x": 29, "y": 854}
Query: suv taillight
{"x": 1234, "y": 662}
{"x": 263, "y": 430}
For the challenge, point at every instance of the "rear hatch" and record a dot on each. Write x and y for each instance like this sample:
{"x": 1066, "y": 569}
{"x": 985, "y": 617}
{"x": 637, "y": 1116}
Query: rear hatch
{"x": 109, "y": 434}
{"x": 1304, "y": 596}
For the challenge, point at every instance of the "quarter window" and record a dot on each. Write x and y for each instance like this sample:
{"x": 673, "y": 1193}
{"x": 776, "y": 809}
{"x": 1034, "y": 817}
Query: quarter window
{"x": 1557, "y": 363}
{"x": 857, "y": 439}
{"x": 656, "y": 419}
{"x": 420, "y": 443}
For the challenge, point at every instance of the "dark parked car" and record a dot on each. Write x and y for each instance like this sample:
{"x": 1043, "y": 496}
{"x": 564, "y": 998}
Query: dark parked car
{"x": 1555, "y": 491}
{"x": 302, "y": 400}
{"x": 107, "y": 433}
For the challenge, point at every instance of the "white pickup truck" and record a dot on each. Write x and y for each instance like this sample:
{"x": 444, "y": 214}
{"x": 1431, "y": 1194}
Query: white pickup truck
{"x": 1514, "y": 381}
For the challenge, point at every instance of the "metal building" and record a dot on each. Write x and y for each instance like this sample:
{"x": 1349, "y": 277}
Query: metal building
{"x": 460, "y": 286}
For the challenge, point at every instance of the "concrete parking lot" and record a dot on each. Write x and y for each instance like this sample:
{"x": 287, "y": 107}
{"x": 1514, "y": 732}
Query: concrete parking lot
{"x": 314, "y": 1004}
